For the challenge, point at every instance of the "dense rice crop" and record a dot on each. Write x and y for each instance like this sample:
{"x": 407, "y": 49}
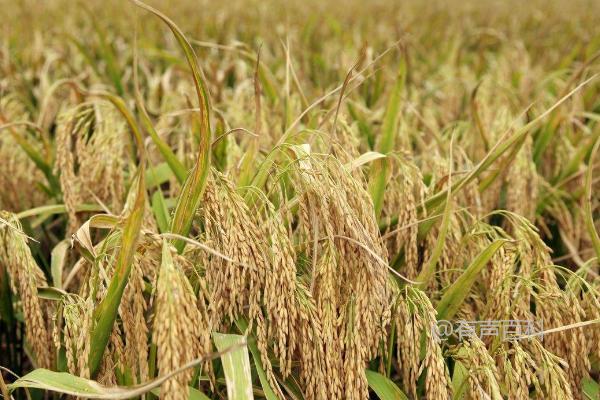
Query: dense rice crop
{"x": 290, "y": 200}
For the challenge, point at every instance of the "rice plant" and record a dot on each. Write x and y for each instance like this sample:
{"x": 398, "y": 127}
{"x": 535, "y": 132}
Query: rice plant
{"x": 300, "y": 200}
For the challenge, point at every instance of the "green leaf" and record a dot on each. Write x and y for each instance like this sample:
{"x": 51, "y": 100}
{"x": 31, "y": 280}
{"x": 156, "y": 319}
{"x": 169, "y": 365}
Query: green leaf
{"x": 72, "y": 385}
{"x": 60, "y": 382}
{"x": 477, "y": 118}
{"x": 363, "y": 127}
{"x": 56, "y": 209}
{"x": 51, "y": 293}
{"x": 385, "y": 144}
{"x": 176, "y": 166}
{"x": 503, "y": 165}
{"x": 573, "y": 165}
{"x": 591, "y": 389}
{"x": 107, "y": 53}
{"x": 173, "y": 162}
{"x": 589, "y": 217}
{"x": 194, "y": 394}
{"x": 35, "y": 156}
{"x": 384, "y": 387}
{"x": 379, "y": 170}
{"x": 236, "y": 365}
{"x": 161, "y": 212}
{"x": 260, "y": 370}
{"x": 429, "y": 269}
{"x": 190, "y": 198}
{"x": 365, "y": 158}
{"x": 378, "y": 178}
{"x": 191, "y": 193}
{"x": 543, "y": 139}
{"x": 459, "y": 380}
{"x": 500, "y": 148}
{"x": 106, "y": 312}
{"x": 57, "y": 263}
{"x": 87, "y": 55}
{"x": 75, "y": 386}
{"x": 455, "y": 295}
{"x": 190, "y": 56}
{"x": 158, "y": 175}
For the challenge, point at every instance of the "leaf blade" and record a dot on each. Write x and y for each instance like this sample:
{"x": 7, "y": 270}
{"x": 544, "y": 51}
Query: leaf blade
{"x": 458, "y": 291}
{"x": 384, "y": 387}
{"x": 236, "y": 365}
{"x": 105, "y": 313}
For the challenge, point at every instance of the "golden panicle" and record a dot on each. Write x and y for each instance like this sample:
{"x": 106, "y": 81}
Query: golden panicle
{"x": 77, "y": 317}
{"x": 363, "y": 228}
{"x": 354, "y": 381}
{"x": 69, "y": 122}
{"x": 260, "y": 281}
{"x": 349, "y": 268}
{"x": 25, "y": 278}
{"x": 112, "y": 360}
{"x": 405, "y": 193}
{"x": 234, "y": 285}
{"x": 148, "y": 256}
{"x": 350, "y": 183}
{"x": 90, "y": 158}
{"x": 280, "y": 287}
{"x": 132, "y": 311}
{"x": 346, "y": 143}
{"x": 19, "y": 174}
{"x": 415, "y": 319}
{"x": 326, "y": 293}
{"x": 518, "y": 370}
{"x": 557, "y": 308}
{"x": 500, "y": 285}
{"x": 309, "y": 346}
{"x": 176, "y": 332}
{"x": 482, "y": 371}
{"x": 437, "y": 380}
{"x": 554, "y": 306}
{"x": 408, "y": 327}
{"x": 554, "y": 379}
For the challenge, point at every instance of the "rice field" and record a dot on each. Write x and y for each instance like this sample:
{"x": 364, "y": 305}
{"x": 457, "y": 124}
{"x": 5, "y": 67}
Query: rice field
{"x": 300, "y": 200}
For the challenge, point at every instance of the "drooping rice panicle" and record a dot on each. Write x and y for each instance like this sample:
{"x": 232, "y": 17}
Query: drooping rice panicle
{"x": 325, "y": 186}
